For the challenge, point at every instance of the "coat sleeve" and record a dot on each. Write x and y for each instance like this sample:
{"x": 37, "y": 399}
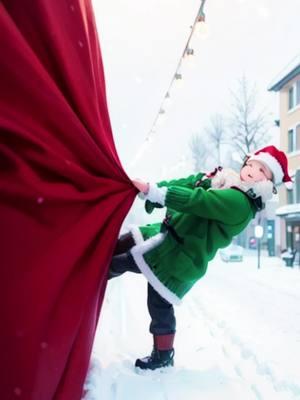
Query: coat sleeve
{"x": 228, "y": 206}
{"x": 185, "y": 182}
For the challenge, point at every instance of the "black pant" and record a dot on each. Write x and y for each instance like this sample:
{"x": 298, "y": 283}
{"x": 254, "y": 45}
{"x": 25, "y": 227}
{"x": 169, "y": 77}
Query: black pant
{"x": 162, "y": 315}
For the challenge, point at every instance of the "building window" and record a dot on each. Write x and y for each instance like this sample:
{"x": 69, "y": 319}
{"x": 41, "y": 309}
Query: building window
{"x": 291, "y": 97}
{"x": 297, "y": 185}
{"x": 298, "y": 137}
{"x": 290, "y": 196}
{"x": 294, "y": 95}
{"x": 293, "y": 196}
{"x": 291, "y": 140}
{"x": 294, "y": 139}
{"x": 298, "y": 92}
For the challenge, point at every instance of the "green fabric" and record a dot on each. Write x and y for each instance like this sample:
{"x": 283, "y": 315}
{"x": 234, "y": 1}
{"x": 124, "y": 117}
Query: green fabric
{"x": 206, "y": 219}
{"x": 190, "y": 182}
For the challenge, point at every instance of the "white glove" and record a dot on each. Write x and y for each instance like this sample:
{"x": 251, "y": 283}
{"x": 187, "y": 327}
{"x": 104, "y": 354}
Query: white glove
{"x": 155, "y": 194}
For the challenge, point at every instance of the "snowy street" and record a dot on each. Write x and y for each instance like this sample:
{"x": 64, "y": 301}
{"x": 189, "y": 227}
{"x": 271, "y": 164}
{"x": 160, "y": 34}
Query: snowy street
{"x": 238, "y": 337}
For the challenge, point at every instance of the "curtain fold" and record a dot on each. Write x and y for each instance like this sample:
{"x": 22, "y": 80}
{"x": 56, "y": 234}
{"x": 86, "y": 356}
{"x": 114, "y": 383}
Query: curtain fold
{"x": 63, "y": 196}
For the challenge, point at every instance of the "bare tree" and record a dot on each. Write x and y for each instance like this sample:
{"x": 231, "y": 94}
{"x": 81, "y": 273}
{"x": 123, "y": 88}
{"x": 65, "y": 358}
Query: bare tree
{"x": 199, "y": 152}
{"x": 215, "y": 134}
{"x": 248, "y": 126}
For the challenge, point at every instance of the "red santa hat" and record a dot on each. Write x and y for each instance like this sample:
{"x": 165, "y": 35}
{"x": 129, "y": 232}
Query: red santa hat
{"x": 277, "y": 162}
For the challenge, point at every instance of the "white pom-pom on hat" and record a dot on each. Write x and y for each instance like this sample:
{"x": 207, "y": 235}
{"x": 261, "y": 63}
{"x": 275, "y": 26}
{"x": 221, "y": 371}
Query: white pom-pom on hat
{"x": 289, "y": 185}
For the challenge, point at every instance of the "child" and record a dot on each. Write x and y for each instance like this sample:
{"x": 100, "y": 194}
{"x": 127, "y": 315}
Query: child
{"x": 204, "y": 212}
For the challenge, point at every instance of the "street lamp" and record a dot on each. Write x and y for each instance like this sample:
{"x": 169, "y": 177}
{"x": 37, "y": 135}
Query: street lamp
{"x": 258, "y": 232}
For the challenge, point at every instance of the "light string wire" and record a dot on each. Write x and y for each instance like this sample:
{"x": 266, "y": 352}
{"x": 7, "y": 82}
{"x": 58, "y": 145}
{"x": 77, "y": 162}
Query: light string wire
{"x": 199, "y": 18}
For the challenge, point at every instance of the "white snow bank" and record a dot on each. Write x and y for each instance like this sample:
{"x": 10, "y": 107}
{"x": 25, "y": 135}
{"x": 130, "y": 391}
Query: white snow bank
{"x": 238, "y": 338}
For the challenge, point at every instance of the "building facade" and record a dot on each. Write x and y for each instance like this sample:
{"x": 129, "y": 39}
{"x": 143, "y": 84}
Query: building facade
{"x": 288, "y": 87}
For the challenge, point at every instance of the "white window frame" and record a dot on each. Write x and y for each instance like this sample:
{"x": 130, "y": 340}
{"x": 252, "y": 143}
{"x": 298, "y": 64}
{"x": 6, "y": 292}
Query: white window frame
{"x": 297, "y": 94}
{"x": 295, "y": 188}
{"x": 294, "y": 195}
{"x": 296, "y": 106}
{"x": 294, "y": 151}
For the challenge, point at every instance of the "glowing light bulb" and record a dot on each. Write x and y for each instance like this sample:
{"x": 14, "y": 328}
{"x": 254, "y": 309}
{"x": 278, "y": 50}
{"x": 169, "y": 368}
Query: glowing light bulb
{"x": 263, "y": 12}
{"x": 178, "y": 80}
{"x": 201, "y": 29}
{"x": 189, "y": 58}
{"x": 138, "y": 80}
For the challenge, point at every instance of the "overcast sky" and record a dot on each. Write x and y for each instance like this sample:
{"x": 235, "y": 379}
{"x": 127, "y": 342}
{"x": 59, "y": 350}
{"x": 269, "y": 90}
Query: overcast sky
{"x": 141, "y": 45}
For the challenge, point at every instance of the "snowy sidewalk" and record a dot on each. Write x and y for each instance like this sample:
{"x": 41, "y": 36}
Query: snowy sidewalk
{"x": 238, "y": 338}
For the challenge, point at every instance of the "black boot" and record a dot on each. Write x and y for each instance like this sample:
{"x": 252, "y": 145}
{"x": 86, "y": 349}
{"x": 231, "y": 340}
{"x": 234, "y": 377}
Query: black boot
{"x": 157, "y": 359}
{"x": 124, "y": 243}
{"x": 162, "y": 354}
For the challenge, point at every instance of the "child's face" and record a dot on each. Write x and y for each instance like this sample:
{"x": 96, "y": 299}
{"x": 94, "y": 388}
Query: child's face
{"x": 255, "y": 171}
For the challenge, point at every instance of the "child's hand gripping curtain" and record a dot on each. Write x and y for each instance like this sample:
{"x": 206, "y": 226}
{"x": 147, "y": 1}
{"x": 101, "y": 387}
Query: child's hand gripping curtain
{"x": 144, "y": 187}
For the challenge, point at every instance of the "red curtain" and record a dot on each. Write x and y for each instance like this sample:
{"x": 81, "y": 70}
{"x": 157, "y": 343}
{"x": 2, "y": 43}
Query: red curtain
{"x": 63, "y": 196}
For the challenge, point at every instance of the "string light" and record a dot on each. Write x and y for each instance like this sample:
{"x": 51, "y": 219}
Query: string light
{"x": 200, "y": 18}
{"x": 188, "y": 54}
{"x": 167, "y": 100}
{"x": 201, "y": 27}
{"x": 161, "y": 116}
{"x": 178, "y": 80}
{"x": 189, "y": 57}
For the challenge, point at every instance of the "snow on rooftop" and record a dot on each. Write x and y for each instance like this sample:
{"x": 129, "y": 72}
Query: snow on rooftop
{"x": 295, "y": 62}
{"x": 288, "y": 209}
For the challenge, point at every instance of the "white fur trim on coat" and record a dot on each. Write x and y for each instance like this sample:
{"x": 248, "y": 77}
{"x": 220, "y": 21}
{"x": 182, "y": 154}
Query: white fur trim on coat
{"x": 227, "y": 178}
{"x": 137, "y": 251}
{"x": 136, "y": 234}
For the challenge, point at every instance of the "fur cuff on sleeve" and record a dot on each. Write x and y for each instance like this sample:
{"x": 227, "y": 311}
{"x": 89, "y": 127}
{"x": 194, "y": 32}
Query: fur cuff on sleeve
{"x": 156, "y": 194}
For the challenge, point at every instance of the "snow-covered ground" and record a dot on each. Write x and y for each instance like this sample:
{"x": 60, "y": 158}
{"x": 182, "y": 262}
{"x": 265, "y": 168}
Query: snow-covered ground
{"x": 238, "y": 338}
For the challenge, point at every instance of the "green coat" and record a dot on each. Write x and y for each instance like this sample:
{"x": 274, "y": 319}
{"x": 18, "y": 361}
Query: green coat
{"x": 207, "y": 219}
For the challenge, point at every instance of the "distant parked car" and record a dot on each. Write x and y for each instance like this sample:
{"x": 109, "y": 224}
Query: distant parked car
{"x": 233, "y": 252}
